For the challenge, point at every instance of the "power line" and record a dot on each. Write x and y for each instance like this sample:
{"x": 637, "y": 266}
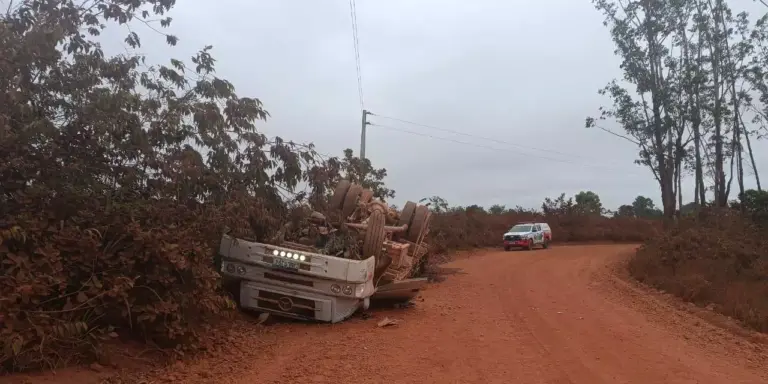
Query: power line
{"x": 495, "y": 149}
{"x": 495, "y": 140}
{"x": 356, "y": 43}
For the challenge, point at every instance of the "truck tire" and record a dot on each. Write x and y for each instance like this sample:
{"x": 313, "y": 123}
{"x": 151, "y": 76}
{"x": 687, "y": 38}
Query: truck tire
{"x": 374, "y": 235}
{"x": 350, "y": 201}
{"x": 419, "y": 223}
{"x": 337, "y": 200}
{"x": 546, "y": 243}
{"x": 530, "y": 245}
{"x": 405, "y": 218}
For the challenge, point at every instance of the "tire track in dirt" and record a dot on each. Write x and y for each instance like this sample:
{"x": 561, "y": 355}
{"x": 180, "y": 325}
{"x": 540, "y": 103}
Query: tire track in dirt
{"x": 562, "y": 315}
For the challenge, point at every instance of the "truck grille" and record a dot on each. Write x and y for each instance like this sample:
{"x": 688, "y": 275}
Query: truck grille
{"x": 512, "y": 238}
{"x": 285, "y": 303}
{"x": 289, "y": 280}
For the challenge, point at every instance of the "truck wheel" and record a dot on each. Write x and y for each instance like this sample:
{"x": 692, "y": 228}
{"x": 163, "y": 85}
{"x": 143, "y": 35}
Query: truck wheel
{"x": 337, "y": 200}
{"x": 506, "y": 248}
{"x": 350, "y": 201}
{"x": 419, "y": 223}
{"x": 374, "y": 236}
{"x": 546, "y": 244}
{"x": 530, "y": 245}
{"x": 405, "y": 217}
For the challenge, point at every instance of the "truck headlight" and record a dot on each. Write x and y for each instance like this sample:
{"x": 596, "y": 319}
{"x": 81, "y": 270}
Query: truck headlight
{"x": 335, "y": 288}
{"x": 240, "y": 270}
{"x": 347, "y": 290}
{"x": 230, "y": 268}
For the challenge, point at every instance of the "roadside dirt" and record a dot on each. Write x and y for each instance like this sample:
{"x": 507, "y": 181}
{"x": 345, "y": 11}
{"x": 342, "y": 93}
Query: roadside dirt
{"x": 563, "y": 315}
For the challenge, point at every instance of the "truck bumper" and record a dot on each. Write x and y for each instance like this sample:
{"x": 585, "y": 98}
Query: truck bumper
{"x": 516, "y": 243}
{"x": 297, "y": 304}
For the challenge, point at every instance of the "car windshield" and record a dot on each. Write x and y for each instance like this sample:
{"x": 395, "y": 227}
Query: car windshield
{"x": 521, "y": 228}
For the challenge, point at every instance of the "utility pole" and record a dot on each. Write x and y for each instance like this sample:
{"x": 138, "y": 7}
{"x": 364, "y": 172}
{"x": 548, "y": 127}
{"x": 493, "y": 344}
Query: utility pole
{"x": 362, "y": 134}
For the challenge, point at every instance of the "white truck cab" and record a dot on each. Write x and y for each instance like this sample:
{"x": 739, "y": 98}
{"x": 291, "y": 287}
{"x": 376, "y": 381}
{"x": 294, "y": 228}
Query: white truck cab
{"x": 295, "y": 283}
{"x": 528, "y": 235}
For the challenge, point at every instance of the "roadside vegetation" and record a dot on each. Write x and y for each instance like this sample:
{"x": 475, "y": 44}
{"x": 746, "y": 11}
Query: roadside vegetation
{"x": 694, "y": 101}
{"x": 117, "y": 178}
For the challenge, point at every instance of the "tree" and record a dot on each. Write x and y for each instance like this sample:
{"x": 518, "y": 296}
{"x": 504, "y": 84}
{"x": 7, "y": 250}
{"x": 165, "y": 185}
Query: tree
{"x": 588, "y": 203}
{"x": 497, "y": 209}
{"x": 435, "y": 203}
{"x": 474, "y": 208}
{"x": 652, "y": 117}
{"x": 690, "y": 208}
{"x": 682, "y": 99}
{"x": 362, "y": 172}
{"x": 140, "y": 168}
{"x": 626, "y": 211}
{"x": 755, "y": 204}
{"x": 644, "y": 207}
{"x": 558, "y": 206}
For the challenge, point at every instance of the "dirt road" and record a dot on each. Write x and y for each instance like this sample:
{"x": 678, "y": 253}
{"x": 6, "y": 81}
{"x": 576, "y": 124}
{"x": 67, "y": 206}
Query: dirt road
{"x": 561, "y": 315}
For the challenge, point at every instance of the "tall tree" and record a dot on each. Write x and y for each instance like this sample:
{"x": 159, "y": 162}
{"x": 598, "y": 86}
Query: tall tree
{"x": 653, "y": 117}
{"x": 682, "y": 99}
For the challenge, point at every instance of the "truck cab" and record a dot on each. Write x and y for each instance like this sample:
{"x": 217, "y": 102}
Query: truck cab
{"x": 292, "y": 281}
{"x": 331, "y": 265}
{"x": 528, "y": 235}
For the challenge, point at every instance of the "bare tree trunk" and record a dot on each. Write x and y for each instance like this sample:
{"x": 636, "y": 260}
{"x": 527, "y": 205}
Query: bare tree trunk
{"x": 730, "y": 173}
{"x": 678, "y": 184}
{"x": 716, "y": 53}
{"x": 737, "y": 123}
{"x": 696, "y": 194}
{"x": 660, "y": 128}
{"x": 749, "y": 151}
{"x": 701, "y": 192}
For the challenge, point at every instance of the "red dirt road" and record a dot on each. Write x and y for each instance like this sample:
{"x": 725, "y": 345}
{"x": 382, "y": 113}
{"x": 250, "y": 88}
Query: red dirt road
{"x": 562, "y": 315}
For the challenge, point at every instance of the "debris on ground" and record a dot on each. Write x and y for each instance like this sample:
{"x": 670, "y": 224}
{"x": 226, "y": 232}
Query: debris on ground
{"x": 262, "y": 318}
{"x": 387, "y": 322}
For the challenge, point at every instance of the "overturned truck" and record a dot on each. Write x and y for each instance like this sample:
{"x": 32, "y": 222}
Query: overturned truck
{"x": 332, "y": 264}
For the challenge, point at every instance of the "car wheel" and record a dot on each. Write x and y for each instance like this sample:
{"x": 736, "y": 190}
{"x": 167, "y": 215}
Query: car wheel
{"x": 530, "y": 244}
{"x": 546, "y": 243}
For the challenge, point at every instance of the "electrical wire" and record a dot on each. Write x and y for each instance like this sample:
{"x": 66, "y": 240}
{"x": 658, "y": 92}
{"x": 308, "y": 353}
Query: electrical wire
{"x": 495, "y": 140}
{"x": 356, "y": 43}
{"x": 505, "y": 150}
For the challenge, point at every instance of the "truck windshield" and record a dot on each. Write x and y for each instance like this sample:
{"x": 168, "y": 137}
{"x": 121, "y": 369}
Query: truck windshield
{"x": 520, "y": 228}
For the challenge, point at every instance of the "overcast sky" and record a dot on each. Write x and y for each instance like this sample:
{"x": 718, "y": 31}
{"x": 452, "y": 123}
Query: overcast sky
{"x": 522, "y": 72}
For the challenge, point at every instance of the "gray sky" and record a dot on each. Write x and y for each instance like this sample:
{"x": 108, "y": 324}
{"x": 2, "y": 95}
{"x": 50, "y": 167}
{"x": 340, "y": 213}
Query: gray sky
{"x": 525, "y": 72}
